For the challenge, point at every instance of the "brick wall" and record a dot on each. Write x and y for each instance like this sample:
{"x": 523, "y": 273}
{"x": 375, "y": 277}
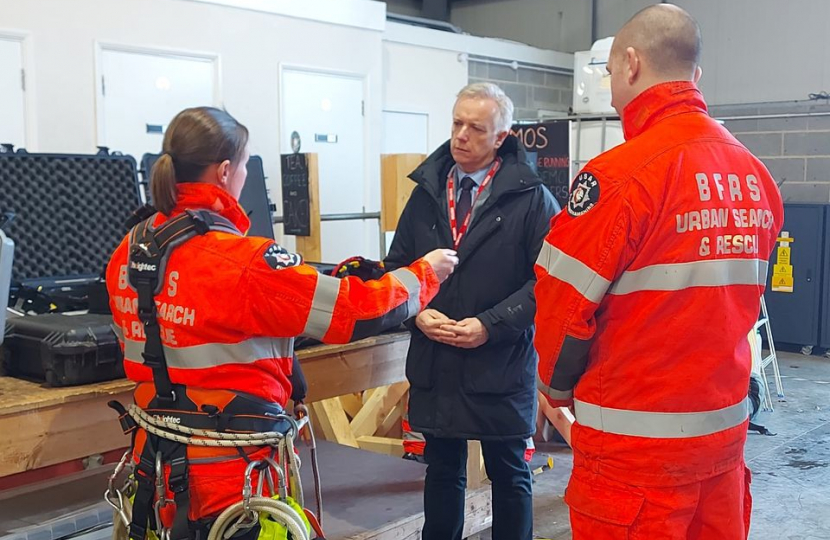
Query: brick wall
{"x": 795, "y": 149}
{"x": 531, "y": 90}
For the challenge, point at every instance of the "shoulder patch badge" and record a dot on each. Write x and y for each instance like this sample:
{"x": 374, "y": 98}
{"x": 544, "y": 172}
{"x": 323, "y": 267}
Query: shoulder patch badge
{"x": 278, "y": 257}
{"x": 584, "y": 195}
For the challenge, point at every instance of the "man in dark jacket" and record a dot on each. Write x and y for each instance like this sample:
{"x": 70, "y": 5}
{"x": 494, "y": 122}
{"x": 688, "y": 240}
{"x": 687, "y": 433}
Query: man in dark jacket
{"x": 471, "y": 361}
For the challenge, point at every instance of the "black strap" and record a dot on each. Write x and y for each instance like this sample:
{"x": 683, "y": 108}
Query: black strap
{"x": 145, "y": 475}
{"x": 128, "y": 425}
{"x": 178, "y": 482}
{"x": 150, "y": 249}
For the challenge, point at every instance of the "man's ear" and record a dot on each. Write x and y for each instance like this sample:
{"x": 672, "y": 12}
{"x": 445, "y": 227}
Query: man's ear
{"x": 632, "y": 58}
{"x": 501, "y": 137}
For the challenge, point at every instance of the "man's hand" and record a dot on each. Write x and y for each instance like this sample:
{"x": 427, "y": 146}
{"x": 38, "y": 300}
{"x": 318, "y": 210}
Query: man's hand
{"x": 443, "y": 262}
{"x": 430, "y": 321}
{"x": 467, "y": 334}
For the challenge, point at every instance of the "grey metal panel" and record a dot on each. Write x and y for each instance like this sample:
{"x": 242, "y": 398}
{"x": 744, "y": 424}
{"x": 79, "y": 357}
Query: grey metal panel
{"x": 795, "y": 316}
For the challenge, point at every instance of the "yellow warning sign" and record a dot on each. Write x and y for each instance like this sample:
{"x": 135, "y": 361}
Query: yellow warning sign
{"x": 782, "y": 270}
{"x": 784, "y": 256}
{"x": 782, "y": 283}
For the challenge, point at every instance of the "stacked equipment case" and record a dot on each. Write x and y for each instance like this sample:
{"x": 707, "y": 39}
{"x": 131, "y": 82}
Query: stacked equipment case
{"x": 66, "y": 216}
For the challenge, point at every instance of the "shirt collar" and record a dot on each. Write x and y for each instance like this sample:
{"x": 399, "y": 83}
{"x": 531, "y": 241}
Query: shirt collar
{"x": 477, "y": 176}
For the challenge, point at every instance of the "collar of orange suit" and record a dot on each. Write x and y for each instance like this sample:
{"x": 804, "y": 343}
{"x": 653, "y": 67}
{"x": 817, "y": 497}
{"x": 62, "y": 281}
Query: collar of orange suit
{"x": 198, "y": 195}
{"x": 659, "y": 102}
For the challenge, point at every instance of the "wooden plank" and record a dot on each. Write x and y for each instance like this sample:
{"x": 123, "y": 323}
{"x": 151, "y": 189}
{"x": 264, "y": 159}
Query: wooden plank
{"x": 374, "y": 412}
{"x": 351, "y": 404}
{"x": 381, "y": 445}
{"x": 333, "y": 422}
{"x": 475, "y": 465}
{"x": 57, "y": 433}
{"x": 392, "y": 422}
{"x": 368, "y": 394}
{"x": 17, "y": 395}
{"x": 395, "y": 187}
{"x": 333, "y": 371}
{"x": 310, "y": 247}
{"x": 478, "y": 516}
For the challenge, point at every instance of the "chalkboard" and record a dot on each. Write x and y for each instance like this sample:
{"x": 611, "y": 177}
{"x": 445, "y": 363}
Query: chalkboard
{"x": 296, "y": 203}
{"x": 546, "y": 144}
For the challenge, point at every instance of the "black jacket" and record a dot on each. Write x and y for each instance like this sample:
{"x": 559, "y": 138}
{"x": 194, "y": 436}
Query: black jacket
{"x": 488, "y": 392}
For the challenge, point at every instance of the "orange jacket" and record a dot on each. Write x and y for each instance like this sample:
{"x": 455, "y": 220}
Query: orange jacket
{"x": 647, "y": 288}
{"x": 231, "y": 305}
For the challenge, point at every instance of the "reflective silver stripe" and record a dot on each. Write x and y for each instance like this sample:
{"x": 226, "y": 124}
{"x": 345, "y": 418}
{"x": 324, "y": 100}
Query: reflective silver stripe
{"x": 216, "y": 354}
{"x": 413, "y": 286}
{"x": 558, "y": 264}
{"x": 322, "y": 307}
{"x": 117, "y": 331}
{"x": 659, "y": 425}
{"x": 561, "y": 395}
{"x": 676, "y": 277}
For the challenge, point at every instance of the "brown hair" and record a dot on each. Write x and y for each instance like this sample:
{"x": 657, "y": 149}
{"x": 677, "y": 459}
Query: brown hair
{"x": 196, "y": 138}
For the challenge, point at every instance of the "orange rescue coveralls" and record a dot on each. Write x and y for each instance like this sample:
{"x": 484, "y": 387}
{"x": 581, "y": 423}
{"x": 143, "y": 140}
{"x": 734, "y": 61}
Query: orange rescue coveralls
{"x": 229, "y": 309}
{"x": 647, "y": 287}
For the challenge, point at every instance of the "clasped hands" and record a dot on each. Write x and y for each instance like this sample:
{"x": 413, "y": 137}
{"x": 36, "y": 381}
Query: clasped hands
{"x": 465, "y": 334}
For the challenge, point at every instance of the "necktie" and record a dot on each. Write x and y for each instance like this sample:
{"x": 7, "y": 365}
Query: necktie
{"x": 465, "y": 200}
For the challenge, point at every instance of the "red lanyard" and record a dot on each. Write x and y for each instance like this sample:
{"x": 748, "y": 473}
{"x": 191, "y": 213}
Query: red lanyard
{"x": 458, "y": 234}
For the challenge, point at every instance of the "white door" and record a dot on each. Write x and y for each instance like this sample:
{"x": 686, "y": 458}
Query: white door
{"x": 405, "y": 133}
{"x": 12, "y": 100}
{"x": 327, "y": 112}
{"x": 141, "y": 93}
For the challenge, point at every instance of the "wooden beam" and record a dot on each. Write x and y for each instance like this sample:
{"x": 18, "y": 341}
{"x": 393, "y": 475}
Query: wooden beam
{"x": 395, "y": 187}
{"x": 333, "y": 422}
{"x": 367, "y": 394}
{"x": 475, "y": 465}
{"x": 351, "y": 404}
{"x": 381, "y": 445}
{"x": 337, "y": 370}
{"x": 374, "y": 412}
{"x": 58, "y": 433}
{"x": 310, "y": 247}
{"x": 393, "y": 419}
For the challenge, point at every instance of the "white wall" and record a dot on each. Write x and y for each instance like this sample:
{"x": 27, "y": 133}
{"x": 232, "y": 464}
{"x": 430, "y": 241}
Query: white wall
{"x": 560, "y": 25}
{"x": 753, "y": 50}
{"x": 250, "y": 44}
{"x": 763, "y": 50}
{"x": 423, "y": 80}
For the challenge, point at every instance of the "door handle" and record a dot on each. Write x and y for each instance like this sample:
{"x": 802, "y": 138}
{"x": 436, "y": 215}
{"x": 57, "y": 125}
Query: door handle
{"x": 809, "y": 276}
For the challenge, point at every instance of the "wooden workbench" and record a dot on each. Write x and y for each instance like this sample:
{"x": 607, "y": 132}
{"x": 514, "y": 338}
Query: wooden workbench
{"x": 367, "y": 496}
{"x": 42, "y": 426}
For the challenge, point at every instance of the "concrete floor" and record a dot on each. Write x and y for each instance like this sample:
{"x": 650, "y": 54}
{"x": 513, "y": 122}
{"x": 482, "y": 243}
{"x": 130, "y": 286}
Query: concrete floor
{"x": 791, "y": 471}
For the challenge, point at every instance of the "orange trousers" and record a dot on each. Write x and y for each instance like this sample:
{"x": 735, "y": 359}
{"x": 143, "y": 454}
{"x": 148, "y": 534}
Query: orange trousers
{"x": 715, "y": 509}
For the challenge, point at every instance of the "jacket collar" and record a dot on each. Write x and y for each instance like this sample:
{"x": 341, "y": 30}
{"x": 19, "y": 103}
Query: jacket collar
{"x": 659, "y": 102}
{"x": 514, "y": 175}
{"x": 198, "y": 195}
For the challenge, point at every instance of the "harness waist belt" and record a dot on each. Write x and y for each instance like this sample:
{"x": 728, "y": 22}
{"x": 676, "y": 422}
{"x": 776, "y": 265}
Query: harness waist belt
{"x": 660, "y": 425}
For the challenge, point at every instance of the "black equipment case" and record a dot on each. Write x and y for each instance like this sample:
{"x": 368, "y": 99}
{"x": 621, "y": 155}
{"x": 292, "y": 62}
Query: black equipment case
{"x": 63, "y": 350}
{"x": 69, "y": 214}
{"x": 254, "y": 197}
